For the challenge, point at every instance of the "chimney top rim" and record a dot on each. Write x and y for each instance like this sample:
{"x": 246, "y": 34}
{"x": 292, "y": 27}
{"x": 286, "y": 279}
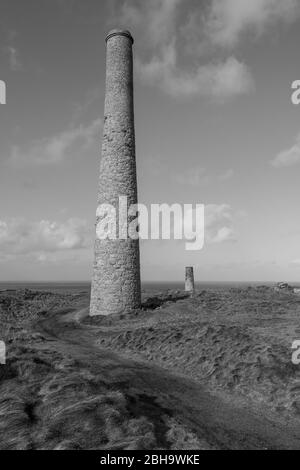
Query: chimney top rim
{"x": 119, "y": 32}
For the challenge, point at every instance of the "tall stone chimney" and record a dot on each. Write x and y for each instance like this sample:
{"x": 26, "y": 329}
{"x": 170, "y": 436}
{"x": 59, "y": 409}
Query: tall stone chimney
{"x": 116, "y": 285}
{"x": 189, "y": 280}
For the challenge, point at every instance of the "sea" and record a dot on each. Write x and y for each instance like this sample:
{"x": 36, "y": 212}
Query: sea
{"x": 85, "y": 286}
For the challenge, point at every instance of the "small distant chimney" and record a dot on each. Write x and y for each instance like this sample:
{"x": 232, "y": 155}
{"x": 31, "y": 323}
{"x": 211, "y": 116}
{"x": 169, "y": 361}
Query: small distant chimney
{"x": 189, "y": 280}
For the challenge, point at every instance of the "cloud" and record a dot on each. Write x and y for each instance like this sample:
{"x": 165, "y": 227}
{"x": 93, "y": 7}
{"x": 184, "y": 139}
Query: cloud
{"x": 198, "y": 176}
{"x": 55, "y": 149}
{"x": 175, "y": 34}
{"x": 295, "y": 263}
{"x": 288, "y": 157}
{"x": 220, "y": 80}
{"x": 228, "y": 174}
{"x": 91, "y": 100}
{"x": 164, "y": 28}
{"x": 11, "y": 51}
{"x": 192, "y": 177}
{"x": 159, "y": 17}
{"x": 229, "y": 19}
{"x": 219, "y": 223}
{"x": 14, "y": 58}
{"x": 21, "y": 237}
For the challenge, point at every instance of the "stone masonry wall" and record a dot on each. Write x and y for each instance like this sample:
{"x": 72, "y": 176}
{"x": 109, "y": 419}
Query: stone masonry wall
{"x": 116, "y": 278}
{"x": 189, "y": 279}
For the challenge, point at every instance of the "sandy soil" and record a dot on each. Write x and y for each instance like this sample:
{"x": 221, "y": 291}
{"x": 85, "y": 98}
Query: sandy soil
{"x": 211, "y": 372}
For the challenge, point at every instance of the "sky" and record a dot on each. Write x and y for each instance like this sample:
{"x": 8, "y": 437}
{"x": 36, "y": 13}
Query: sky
{"x": 215, "y": 125}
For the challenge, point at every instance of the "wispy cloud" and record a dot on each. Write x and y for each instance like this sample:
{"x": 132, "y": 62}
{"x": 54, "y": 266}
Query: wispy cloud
{"x": 227, "y": 175}
{"x": 295, "y": 263}
{"x": 219, "y": 223}
{"x": 21, "y": 237}
{"x": 220, "y": 80}
{"x": 159, "y": 17}
{"x": 198, "y": 176}
{"x": 83, "y": 108}
{"x": 288, "y": 157}
{"x": 14, "y": 58}
{"x": 12, "y": 52}
{"x": 55, "y": 149}
{"x": 163, "y": 28}
{"x": 228, "y": 20}
{"x": 175, "y": 35}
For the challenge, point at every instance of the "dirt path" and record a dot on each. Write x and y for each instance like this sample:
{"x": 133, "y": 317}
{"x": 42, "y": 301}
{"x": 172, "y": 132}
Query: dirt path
{"x": 221, "y": 424}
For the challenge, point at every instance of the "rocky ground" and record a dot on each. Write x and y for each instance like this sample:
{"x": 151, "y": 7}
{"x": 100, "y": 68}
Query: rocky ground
{"x": 209, "y": 372}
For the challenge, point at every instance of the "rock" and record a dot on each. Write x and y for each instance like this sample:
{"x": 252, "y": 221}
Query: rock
{"x": 283, "y": 286}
